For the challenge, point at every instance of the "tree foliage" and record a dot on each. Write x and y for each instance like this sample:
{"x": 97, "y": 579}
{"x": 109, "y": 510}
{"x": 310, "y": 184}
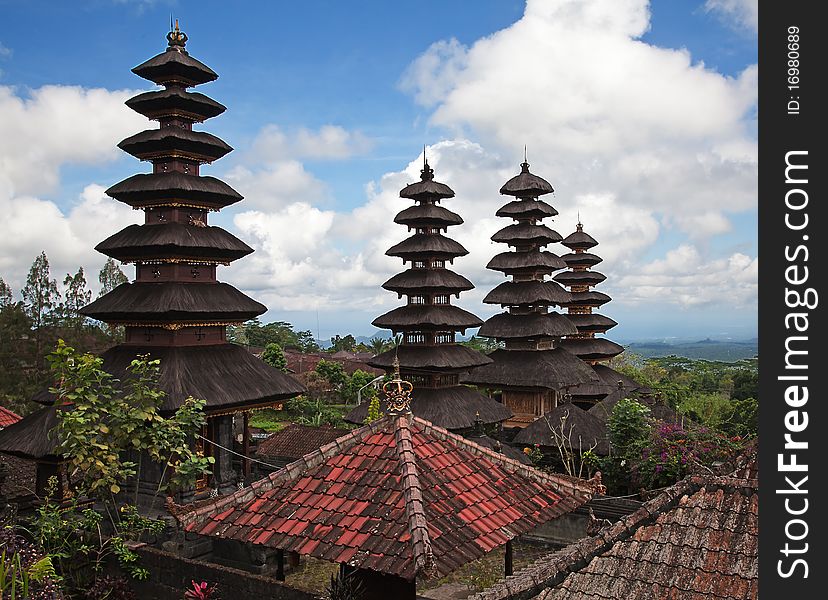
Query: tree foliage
{"x": 275, "y": 357}
{"x": 40, "y": 294}
{"x": 333, "y": 372}
{"x": 76, "y": 295}
{"x": 253, "y": 333}
{"x": 347, "y": 343}
{"x": 110, "y": 277}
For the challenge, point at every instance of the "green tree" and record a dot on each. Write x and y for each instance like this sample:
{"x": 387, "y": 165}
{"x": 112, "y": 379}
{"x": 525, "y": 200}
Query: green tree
{"x": 76, "y": 295}
{"x": 709, "y": 409}
{"x": 40, "y": 298}
{"x": 378, "y": 345}
{"x": 333, "y": 372}
{"x": 374, "y": 413}
{"x": 6, "y": 296}
{"x": 629, "y": 428}
{"x": 353, "y": 383}
{"x": 275, "y": 357}
{"x": 18, "y": 357}
{"x": 346, "y": 343}
{"x": 110, "y": 277}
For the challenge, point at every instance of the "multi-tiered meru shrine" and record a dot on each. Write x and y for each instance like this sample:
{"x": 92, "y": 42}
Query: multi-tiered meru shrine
{"x": 530, "y": 370}
{"x": 428, "y": 354}
{"x": 176, "y": 310}
{"x": 580, "y": 279}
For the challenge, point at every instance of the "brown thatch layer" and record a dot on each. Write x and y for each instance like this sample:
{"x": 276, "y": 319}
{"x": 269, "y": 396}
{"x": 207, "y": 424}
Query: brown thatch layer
{"x": 498, "y": 446}
{"x": 579, "y": 278}
{"x": 592, "y": 348}
{"x": 581, "y": 429}
{"x": 173, "y": 240}
{"x": 151, "y": 189}
{"x": 538, "y": 369}
{"x": 175, "y": 65}
{"x": 425, "y": 245}
{"x": 454, "y": 407}
{"x": 445, "y": 357}
{"x": 427, "y": 215}
{"x": 175, "y": 101}
{"x": 418, "y": 281}
{"x": 592, "y": 322}
{"x": 526, "y": 208}
{"x": 513, "y": 293}
{"x": 152, "y": 143}
{"x": 526, "y": 184}
{"x": 534, "y": 260}
{"x": 608, "y": 384}
{"x": 427, "y": 189}
{"x": 173, "y": 301}
{"x": 32, "y": 437}
{"x": 432, "y": 316}
{"x": 579, "y": 239}
{"x": 526, "y": 232}
{"x": 588, "y": 259}
{"x": 588, "y": 299}
{"x": 658, "y": 410}
{"x": 507, "y": 326}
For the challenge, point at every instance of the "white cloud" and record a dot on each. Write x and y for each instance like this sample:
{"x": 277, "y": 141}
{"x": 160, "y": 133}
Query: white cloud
{"x": 272, "y": 144}
{"x": 276, "y": 185}
{"x": 742, "y": 13}
{"x": 5, "y": 51}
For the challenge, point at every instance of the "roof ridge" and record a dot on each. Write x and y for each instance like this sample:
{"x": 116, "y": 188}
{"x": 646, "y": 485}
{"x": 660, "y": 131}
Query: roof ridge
{"x": 413, "y": 495}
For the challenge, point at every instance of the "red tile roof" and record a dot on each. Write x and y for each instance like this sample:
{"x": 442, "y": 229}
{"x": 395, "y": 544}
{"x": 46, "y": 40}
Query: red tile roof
{"x": 294, "y": 441}
{"x": 400, "y": 496}
{"x": 8, "y": 417}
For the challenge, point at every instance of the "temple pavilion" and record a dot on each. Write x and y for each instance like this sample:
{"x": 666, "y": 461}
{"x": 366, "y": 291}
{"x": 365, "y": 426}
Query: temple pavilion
{"x": 531, "y": 370}
{"x": 428, "y": 352}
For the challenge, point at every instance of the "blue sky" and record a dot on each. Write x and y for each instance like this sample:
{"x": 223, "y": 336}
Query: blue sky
{"x": 641, "y": 115}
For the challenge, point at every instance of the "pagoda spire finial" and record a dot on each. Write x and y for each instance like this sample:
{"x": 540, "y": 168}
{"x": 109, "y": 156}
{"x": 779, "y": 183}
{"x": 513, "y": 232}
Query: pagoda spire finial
{"x": 524, "y": 166}
{"x": 427, "y": 173}
{"x": 398, "y": 393}
{"x": 176, "y": 39}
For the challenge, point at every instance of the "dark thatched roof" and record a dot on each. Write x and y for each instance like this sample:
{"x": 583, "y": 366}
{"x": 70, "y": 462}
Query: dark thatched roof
{"x": 592, "y": 348}
{"x": 658, "y": 409}
{"x": 175, "y": 101}
{"x": 295, "y": 440}
{"x": 592, "y": 322}
{"x": 581, "y": 258}
{"x": 526, "y": 208}
{"x": 579, "y": 278}
{"x": 526, "y": 232}
{"x": 427, "y": 316}
{"x": 536, "y": 325}
{"x": 417, "y": 281}
{"x": 611, "y": 382}
{"x": 536, "y": 369}
{"x": 422, "y": 245}
{"x": 153, "y": 143}
{"x": 588, "y": 299}
{"x": 454, "y": 407}
{"x": 445, "y": 357}
{"x": 31, "y": 436}
{"x": 426, "y": 188}
{"x": 498, "y": 446}
{"x": 153, "y": 189}
{"x": 173, "y": 301}
{"x": 175, "y": 65}
{"x": 526, "y": 184}
{"x": 173, "y": 240}
{"x": 427, "y": 215}
{"x": 579, "y": 239}
{"x": 226, "y": 375}
{"x": 582, "y": 430}
{"x": 513, "y": 293}
{"x": 534, "y": 260}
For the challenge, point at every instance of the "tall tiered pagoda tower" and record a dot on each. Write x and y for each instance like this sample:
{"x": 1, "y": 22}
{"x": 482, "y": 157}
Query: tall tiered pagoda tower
{"x": 429, "y": 355}
{"x": 530, "y": 370}
{"x": 175, "y": 310}
{"x": 580, "y": 278}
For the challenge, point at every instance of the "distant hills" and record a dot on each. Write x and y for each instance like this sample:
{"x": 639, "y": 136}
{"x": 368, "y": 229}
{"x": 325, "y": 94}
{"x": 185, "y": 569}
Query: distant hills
{"x": 707, "y": 349}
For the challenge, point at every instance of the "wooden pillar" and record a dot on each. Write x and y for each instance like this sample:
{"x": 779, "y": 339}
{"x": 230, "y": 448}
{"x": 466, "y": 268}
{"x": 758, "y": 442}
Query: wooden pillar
{"x": 246, "y": 444}
{"x": 509, "y": 566}
{"x": 280, "y": 565}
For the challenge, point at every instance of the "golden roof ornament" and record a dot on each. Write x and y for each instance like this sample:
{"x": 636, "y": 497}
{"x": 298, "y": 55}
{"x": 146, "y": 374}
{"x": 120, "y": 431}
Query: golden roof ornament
{"x": 176, "y": 38}
{"x": 397, "y": 393}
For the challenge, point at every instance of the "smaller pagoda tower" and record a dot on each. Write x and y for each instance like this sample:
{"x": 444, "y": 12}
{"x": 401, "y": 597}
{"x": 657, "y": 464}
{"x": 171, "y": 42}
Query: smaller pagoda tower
{"x": 428, "y": 354}
{"x": 530, "y": 371}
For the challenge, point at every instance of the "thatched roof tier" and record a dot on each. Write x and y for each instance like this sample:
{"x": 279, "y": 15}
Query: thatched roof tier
{"x": 588, "y": 299}
{"x": 444, "y": 357}
{"x": 175, "y": 66}
{"x": 454, "y": 407}
{"x": 32, "y": 436}
{"x": 581, "y": 429}
{"x": 167, "y": 141}
{"x": 579, "y": 278}
{"x": 537, "y": 261}
{"x": 526, "y": 184}
{"x": 507, "y": 326}
{"x": 421, "y": 245}
{"x": 608, "y": 384}
{"x": 526, "y": 209}
{"x": 592, "y": 348}
{"x": 175, "y": 102}
{"x": 426, "y": 189}
{"x": 515, "y": 293}
{"x": 578, "y": 259}
{"x": 531, "y": 369}
{"x": 419, "y": 281}
{"x": 173, "y": 240}
{"x": 171, "y": 188}
{"x": 526, "y": 233}
{"x": 500, "y": 447}
{"x": 658, "y": 409}
{"x": 427, "y": 215}
{"x": 173, "y": 302}
{"x": 579, "y": 240}
{"x": 592, "y": 322}
{"x": 427, "y": 316}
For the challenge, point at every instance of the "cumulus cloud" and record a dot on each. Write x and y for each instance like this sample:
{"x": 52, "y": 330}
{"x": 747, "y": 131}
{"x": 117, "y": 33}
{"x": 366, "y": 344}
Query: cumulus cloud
{"x": 274, "y": 186}
{"x": 742, "y": 13}
{"x": 272, "y": 144}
